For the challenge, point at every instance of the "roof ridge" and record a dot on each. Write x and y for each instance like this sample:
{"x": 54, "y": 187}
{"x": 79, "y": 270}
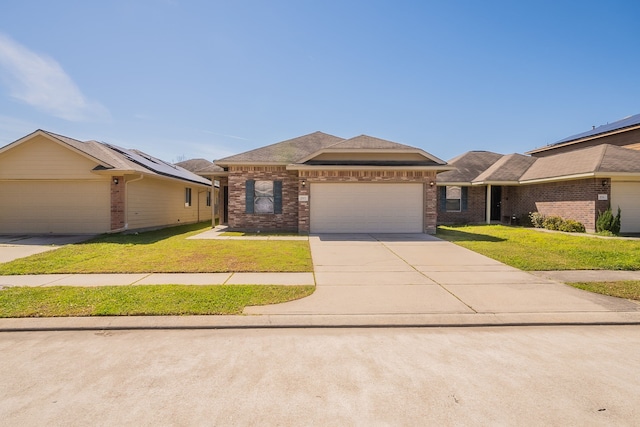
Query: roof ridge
{"x": 603, "y": 152}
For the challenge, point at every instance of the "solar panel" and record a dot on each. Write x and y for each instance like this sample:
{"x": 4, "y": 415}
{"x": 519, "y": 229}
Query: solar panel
{"x": 158, "y": 166}
{"x": 620, "y": 124}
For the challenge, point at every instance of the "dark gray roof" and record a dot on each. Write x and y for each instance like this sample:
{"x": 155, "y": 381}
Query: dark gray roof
{"x": 508, "y": 169}
{"x": 468, "y": 166}
{"x": 285, "y": 152}
{"x": 609, "y": 127}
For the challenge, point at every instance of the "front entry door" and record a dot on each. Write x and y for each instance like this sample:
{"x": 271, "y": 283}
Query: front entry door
{"x": 496, "y": 201}
{"x": 225, "y": 205}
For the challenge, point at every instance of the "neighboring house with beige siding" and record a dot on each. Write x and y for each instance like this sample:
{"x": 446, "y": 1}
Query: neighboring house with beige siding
{"x": 50, "y": 183}
{"x": 205, "y": 168}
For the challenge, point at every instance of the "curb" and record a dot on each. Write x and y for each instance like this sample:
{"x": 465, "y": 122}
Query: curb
{"x": 318, "y": 321}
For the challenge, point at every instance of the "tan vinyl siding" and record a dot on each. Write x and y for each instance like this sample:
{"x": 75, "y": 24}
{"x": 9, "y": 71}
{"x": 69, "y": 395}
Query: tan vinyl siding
{"x": 41, "y": 158}
{"x": 54, "y": 206}
{"x": 158, "y": 202}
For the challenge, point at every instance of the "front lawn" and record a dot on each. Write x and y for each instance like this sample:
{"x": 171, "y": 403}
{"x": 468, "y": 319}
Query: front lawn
{"x": 167, "y": 251}
{"x": 629, "y": 289}
{"x": 154, "y": 300}
{"x": 531, "y": 250}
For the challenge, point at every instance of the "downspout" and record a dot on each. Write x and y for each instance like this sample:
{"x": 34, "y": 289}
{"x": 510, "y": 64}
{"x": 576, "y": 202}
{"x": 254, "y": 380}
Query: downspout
{"x": 126, "y": 205}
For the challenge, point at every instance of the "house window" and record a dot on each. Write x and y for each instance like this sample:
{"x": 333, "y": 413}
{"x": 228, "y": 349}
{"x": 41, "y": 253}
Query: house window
{"x": 187, "y": 197}
{"x": 208, "y": 198}
{"x": 454, "y": 199}
{"x": 263, "y": 197}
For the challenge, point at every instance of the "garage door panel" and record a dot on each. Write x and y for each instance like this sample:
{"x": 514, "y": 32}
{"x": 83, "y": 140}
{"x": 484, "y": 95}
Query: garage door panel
{"x": 366, "y": 208}
{"x": 627, "y": 196}
{"x": 54, "y": 207}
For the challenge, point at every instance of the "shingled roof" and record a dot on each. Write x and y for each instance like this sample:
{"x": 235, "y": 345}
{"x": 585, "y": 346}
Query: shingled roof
{"x": 117, "y": 159}
{"x": 199, "y": 166}
{"x": 285, "y": 152}
{"x": 483, "y": 167}
{"x": 468, "y": 166}
{"x": 508, "y": 169}
{"x": 599, "y": 160}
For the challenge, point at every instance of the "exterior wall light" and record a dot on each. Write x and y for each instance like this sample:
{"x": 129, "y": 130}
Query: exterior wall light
{"x": 304, "y": 183}
{"x": 115, "y": 181}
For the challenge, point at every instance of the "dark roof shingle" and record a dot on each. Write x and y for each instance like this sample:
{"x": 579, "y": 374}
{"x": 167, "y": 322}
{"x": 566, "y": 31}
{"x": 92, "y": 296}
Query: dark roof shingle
{"x": 285, "y": 152}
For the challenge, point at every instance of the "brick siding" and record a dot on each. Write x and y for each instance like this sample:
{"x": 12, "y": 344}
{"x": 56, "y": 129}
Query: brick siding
{"x": 476, "y": 208}
{"x": 240, "y": 220}
{"x": 117, "y": 203}
{"x": 296, "y": 215}
{"x": 576, "y": 200}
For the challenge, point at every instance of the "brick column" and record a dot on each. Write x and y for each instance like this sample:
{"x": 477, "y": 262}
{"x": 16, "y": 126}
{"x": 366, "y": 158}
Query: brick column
{"x": 117, "y": 202}
{"x": 431, "y": 204}
{"x": 303, "y": 207}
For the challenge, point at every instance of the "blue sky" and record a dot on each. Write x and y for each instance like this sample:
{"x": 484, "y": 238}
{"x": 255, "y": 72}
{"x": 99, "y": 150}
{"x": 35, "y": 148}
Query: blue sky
{"x": 187, "y": 79}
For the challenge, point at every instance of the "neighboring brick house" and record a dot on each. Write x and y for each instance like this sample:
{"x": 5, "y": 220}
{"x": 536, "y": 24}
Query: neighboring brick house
{"x": 575, "y": 178}
{"x": 320, "y": 183}
{"x": 50, "y": 183}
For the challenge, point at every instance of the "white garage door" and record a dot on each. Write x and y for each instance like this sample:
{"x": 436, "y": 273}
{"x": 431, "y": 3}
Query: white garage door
{"x": 366, "y": 208}
{"x": 54, "y": 207}
{"x": 627, "y": 196}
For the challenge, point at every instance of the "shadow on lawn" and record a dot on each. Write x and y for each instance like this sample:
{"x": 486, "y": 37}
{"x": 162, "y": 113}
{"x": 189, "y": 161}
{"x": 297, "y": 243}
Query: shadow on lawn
{"x": 462, "y": 236}
{"x": 147, "y": 237}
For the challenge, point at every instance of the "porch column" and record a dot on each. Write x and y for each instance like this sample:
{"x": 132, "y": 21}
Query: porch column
{"x": 488, "y": 207}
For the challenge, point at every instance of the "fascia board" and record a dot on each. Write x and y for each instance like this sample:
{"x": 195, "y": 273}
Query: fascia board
{"x": 294, "y": 167}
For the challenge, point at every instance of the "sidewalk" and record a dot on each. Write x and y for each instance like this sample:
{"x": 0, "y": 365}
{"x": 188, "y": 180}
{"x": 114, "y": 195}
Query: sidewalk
{"x": 372, "y": 280}
{"x": 91, "y": 280}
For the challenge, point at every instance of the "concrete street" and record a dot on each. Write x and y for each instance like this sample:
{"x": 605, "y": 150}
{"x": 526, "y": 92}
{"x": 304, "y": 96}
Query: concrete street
{"x": 567, "y": 376}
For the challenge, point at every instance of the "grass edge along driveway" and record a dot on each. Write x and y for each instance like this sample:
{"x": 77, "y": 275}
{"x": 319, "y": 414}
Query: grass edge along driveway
{"x": 532, "y": 250}
{"x": 167, "y": 251}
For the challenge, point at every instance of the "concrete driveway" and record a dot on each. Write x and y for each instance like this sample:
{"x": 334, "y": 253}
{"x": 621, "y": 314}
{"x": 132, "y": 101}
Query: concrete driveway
{"x": 420, "y": 274}
{"x": 14, "y": 246}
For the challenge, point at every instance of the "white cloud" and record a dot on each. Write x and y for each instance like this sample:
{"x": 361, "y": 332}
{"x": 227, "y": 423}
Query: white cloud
{"x": 40, "y": 81}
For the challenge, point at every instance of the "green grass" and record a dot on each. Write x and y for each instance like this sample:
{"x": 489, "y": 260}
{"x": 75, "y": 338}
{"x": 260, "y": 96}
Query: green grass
{"x": 167, "y": 251}
{"x": 257, "y": 234}
{"x": 629, "y": 289}
{"x": 528, "y": 249}
{"x": 145, "y": 300}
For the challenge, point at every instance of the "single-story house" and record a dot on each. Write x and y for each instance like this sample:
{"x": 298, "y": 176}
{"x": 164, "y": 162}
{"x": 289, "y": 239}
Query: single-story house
{"x": 204, "y": 168}
{"x": 320, "y": 183}
{"x": 575, "y": 178}
{"x": 50, "y": 183}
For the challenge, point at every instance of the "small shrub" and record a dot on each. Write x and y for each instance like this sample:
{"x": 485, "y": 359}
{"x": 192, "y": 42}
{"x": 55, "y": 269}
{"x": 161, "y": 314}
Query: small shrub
{"x": 572, "y": 226}
{"x": 524, "y": 220}
{"x": 552, "y": 222}
{"x": 537, "y": 219}
{"x": 607, "y": 222}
